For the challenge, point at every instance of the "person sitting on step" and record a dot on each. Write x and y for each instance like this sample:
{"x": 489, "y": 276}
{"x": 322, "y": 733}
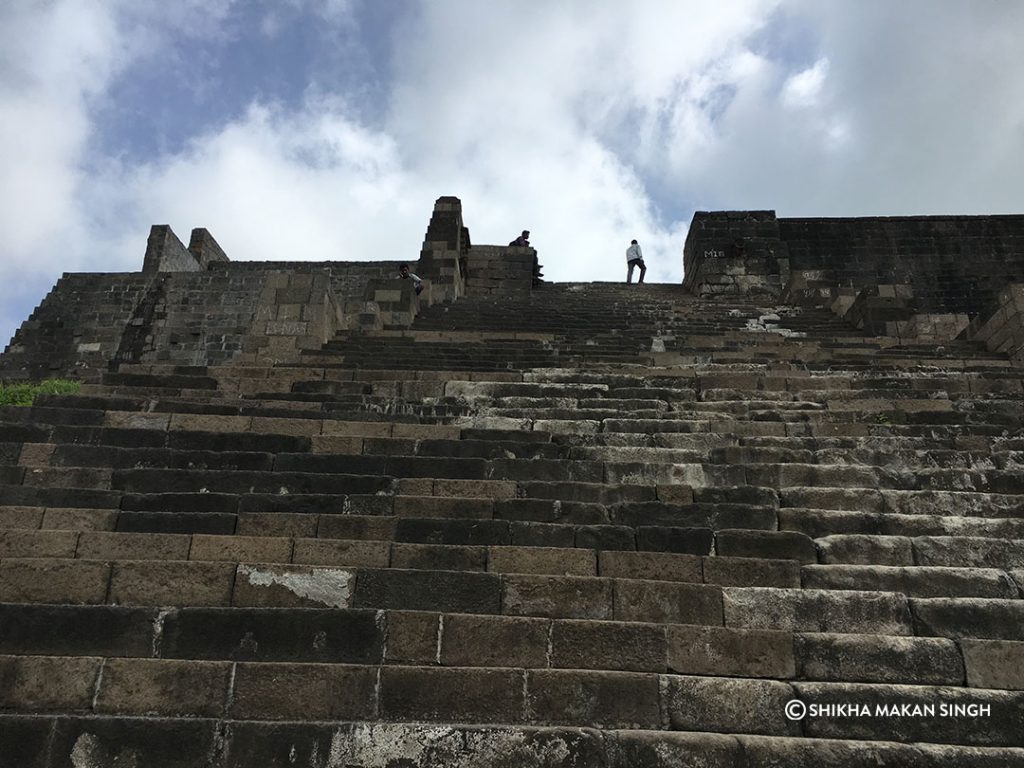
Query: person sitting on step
{"x": 523, "y": 241}
{"x": 635, "y": 258}
{"x": 405, "y": 274}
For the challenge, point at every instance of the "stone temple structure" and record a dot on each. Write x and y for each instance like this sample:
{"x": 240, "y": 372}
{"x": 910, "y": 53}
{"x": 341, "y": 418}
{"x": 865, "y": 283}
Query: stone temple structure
{"x": 300, "y": 516}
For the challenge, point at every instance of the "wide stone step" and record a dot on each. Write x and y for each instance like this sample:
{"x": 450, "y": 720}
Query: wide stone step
{"x": 495, "y": 695}
{"x": 818, "y": 523}
{"x": 914, "y": 581}
{"x": 965, "y": 503}
{"x": 647, "y": 552}
{"x": 166, "y": 741}
{"x": 83, "y": 581}
{"x": 354, "y": 636}
{"x": 922, "y": 551}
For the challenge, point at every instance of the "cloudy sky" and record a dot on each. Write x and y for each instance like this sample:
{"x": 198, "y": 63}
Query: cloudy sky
{"x": 325, "y": 129}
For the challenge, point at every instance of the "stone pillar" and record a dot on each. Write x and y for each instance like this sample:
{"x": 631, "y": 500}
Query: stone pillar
{"x": 442, "y": 257}
{"x": 205, "y": 249}
{"x": 166, "y": 253}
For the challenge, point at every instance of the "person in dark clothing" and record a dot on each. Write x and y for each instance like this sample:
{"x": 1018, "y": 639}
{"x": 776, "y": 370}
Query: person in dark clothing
{"x": 523, "y": 241}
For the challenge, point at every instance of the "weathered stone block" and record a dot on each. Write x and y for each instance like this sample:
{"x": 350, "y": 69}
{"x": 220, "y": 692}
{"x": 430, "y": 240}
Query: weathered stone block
{"x": 25, "y": 741}
{"x": 27, "y": 518}
{"x": 817, "y": 611}
{"x": 751, "y": 572}
{"x": 356, "y": 527}
{"x": 438, "y": 557}
{"x": 258, "y": 549}
{"x": 447, "y": 591}
{"x": 368, "y": 554}
{"x": 994, "y": 663}
{"x": 921, "y": 714}
{"x": 101, "y": 545}
{"x": 667, "y": 602}
{"x": 494, "y": 641}
{"x": 777, "y": 545}
{"x": 730, "y": 652}
{"x": 726, "y": 705}
{"x": 557, "y": 597}
{"x": 660, "y": 749}
{"x": 608, "y": 645}
{"x": 163, "y": 687}
{"x": 29, "y": 543}
{"x": 451, "y": 695}
{"x": 80, "y": 519}
{"x": 261, "y": 634}
{"x": 53, "y": 581}
{"x": 606, "y": 699}
{"x": 413, "y": 637}
{"x": 303, "y": 691}
{"x": 40, "y": 683}
{"x": 866, "y": 550}
{"x": 875, "y": 658}
{"x": 546, "y": 560}
{"x": 171, "y": 583}
{"x": 662, "y": 566}
{"x": 968, "y": 617}
{"x": 284, "y": 524}
{"x": 72, "y": 630}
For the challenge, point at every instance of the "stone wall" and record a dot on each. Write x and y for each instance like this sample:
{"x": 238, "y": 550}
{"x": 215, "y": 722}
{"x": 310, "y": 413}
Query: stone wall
{"x": 951, "y": 264}
{"x": 496, "y": 269}
{"x": 77, "y": 328}
{"x": 193, "y": 306}
{"x": 1003, "y": 331}
{"x": 915, "y": 278}
{"x": 954, "y": 264}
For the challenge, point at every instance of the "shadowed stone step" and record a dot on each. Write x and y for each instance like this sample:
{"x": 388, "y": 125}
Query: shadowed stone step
{"x": 262, "y": 691}
{"x": 914, "y": 581}
{"x": 819, "y": 523}
{"x": 969, "y": 617}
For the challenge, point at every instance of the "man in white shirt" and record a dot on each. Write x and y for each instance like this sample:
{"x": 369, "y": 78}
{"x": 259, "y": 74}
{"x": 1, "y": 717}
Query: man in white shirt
{"x": 405, "y": 274}
{"x": 634, "y": 258}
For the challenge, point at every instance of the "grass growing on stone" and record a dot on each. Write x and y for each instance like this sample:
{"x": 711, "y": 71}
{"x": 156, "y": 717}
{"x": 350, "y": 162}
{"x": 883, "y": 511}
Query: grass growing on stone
{"x": 24, "y": 394}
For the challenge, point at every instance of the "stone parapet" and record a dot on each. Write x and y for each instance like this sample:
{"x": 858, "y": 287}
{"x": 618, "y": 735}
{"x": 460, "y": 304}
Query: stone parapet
{"x": 496, "y": 269}
{"x": 953, "y": 265}
{"x": 204, "y": 249}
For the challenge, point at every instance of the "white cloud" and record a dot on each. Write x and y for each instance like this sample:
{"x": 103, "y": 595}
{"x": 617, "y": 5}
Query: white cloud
{"x": 919, "y": 112}
{"x": 275, "y": 185}
{"x": 590, "y": 123}
{"x": 804, "y": 88}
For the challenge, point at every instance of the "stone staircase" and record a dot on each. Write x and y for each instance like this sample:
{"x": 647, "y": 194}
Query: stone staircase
{"x": 597, "y": 525}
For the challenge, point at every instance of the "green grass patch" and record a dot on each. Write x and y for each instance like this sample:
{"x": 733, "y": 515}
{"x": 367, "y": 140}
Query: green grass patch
{"x": 24, "y": 394}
